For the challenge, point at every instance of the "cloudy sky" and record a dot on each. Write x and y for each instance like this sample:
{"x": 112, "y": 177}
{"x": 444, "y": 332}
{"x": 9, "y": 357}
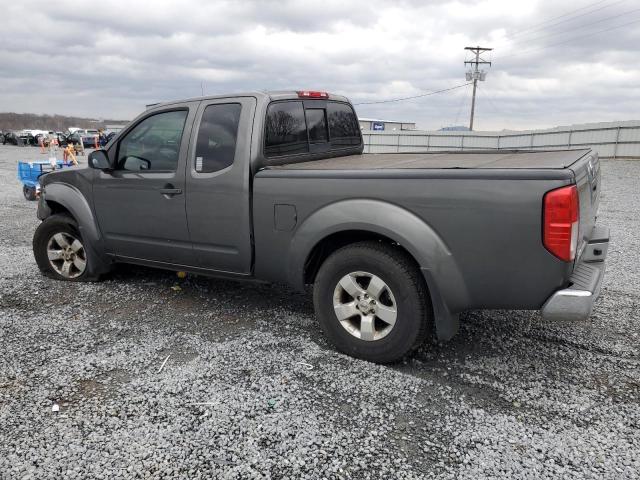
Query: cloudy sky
{"x": 554, "y": 62}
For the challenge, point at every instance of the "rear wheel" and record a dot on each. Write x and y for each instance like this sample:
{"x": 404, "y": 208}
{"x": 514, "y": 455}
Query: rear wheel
{"x": 372, "y": 302}
{"x": 29, "y": 192}
{"x": 60, "y": 250}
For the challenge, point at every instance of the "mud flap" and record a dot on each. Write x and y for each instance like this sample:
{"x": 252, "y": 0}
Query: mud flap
{"x": 447, "y": 323}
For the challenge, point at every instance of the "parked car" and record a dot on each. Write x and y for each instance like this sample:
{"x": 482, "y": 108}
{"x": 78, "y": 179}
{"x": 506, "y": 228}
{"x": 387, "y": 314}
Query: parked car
{"x": 87, "y": 137}
{"x": 274, "y": 187}
{"x": 11, "y": 138}
{"x": 74, "y": 138}
{"x": 62, "y": 139}
{"x": 32, "y": 136}
{"x": 27, "y": 137}
{"x": 45, "y": 138}
{"x": 106, "y": 138}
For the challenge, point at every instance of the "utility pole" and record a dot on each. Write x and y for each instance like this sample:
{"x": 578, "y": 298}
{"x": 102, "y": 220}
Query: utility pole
{"x": 475, "y": 75}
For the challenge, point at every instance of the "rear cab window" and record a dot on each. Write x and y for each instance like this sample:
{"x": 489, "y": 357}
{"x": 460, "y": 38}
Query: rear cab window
{"x": 343, "y": 125}
{"x": 286, "y": 129}
{"x": 297, "y": 127}
{"x": 316, "y": 125}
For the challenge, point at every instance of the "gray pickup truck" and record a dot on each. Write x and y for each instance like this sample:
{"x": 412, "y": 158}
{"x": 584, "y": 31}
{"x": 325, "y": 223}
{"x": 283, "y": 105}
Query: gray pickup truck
{"x": 275, "y": 187}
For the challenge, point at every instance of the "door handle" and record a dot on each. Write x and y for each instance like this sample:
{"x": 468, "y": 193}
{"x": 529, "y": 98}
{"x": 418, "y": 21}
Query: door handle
{"x": 169, "y": 191}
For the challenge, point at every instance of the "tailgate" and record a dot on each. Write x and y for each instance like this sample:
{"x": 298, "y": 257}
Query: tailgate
{"x": 587, "y": 175}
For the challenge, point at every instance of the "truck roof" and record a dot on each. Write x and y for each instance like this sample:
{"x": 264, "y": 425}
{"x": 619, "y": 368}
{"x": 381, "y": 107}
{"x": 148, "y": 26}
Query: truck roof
{"x": 269, "y": 95}
{"x": 510, "y": 159}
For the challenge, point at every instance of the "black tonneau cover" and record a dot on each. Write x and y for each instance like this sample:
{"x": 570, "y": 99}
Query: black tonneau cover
{"x": 557, "y": 159}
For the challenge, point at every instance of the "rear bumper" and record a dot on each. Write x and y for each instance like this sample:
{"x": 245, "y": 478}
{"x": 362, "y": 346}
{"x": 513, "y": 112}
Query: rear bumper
{"x": 576, "y": 301}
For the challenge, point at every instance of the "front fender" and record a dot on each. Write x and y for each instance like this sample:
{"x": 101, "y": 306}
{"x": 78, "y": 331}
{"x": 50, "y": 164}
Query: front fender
{"x": 442, "y": 274}
{"x": 74, "y": 201}
{"x": 70, "y": 198}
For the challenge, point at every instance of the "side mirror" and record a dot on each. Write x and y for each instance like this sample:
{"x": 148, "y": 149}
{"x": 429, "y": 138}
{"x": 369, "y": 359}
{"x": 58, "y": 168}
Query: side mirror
{"x": 99, "y": 160}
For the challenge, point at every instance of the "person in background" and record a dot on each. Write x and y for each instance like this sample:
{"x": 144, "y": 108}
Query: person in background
{"x": 53, "y": 150}
{"x": 51, "y": 137}
{"x": 69, "y": 154}
{"x": 53, "y": 160}
{"x": 103, "y": 138}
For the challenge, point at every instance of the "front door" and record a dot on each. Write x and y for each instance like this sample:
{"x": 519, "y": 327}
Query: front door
{"x": 218, "y": 195}
{"x": 140, "y": 205}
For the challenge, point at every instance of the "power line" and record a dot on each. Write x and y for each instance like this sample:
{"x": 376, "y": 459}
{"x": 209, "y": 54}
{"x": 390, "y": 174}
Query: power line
{"x": 560, "y": 16}
{"x": 415, "y": 96}
{"x": 572, "y": 17}
{"x": 570, "y": 40}
{"x": 488, "y": 97}
{"x": 464, "y": 96}
{"x": 579, "y": 27}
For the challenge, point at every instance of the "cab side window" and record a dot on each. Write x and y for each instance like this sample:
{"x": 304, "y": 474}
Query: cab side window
{"x": 216, "y": 144}
{"x": 153, "y": 144}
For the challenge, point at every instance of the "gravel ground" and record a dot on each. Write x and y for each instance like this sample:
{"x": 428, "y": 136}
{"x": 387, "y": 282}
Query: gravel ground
{"x": 511, "y": 396}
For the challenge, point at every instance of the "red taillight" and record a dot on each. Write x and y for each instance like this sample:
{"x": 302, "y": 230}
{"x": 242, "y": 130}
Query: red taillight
{"x": 310, "y": 94}
{"x": 560, "y": 220}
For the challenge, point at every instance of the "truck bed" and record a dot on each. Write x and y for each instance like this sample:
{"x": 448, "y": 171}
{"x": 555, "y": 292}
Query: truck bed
{"x": 486, "y": 206}
{"x": 509, "y": 159}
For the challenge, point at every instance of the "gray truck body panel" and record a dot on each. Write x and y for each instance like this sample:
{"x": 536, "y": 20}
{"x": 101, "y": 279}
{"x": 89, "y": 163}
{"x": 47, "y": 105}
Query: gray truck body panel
{"x": 502, "y": 264}
{"x": 471, "y": 221}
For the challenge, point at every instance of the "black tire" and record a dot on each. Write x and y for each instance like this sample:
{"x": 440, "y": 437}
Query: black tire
{"x": 67, "y": 226}
{"x": 29, "y": 192}
{"x": 401, "y": 275}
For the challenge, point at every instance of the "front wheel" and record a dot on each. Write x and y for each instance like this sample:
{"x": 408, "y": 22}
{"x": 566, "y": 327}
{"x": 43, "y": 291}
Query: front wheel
{"x": 29, "y": 192}
{"x": 60, "y": 251}
{"x": 372, "y": 302}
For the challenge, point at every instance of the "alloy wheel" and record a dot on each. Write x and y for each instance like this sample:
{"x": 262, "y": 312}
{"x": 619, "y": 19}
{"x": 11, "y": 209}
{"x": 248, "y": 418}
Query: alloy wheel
{"x": 365, "y": 306}
{"x": 66, "y": 255}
